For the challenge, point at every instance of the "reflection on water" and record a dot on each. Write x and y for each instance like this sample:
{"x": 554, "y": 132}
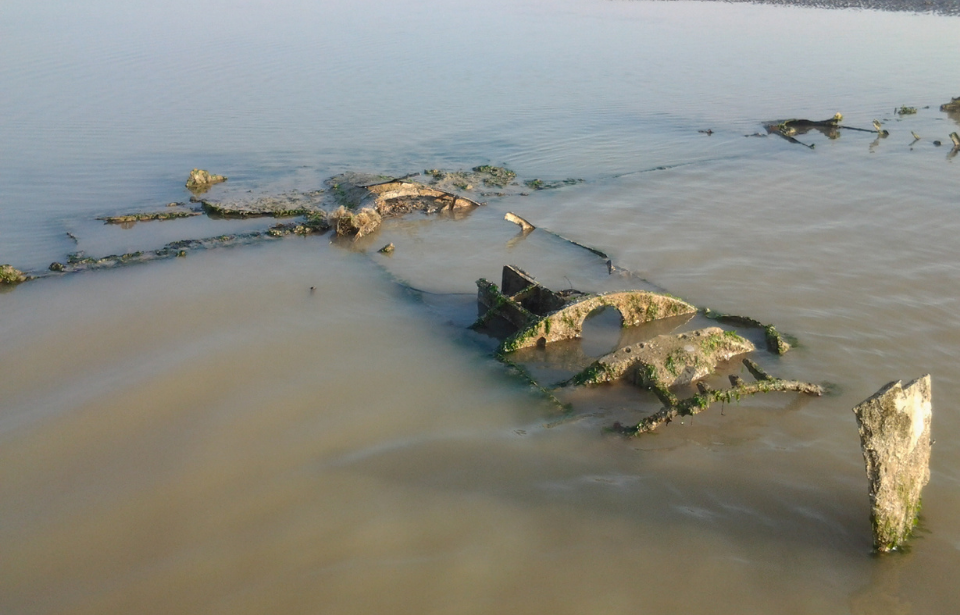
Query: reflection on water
{"x": 205, "y": 434}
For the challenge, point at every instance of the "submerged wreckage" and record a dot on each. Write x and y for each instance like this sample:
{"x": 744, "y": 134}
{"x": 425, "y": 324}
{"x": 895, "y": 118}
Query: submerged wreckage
{"x": 526, "y": 315}
{"x": 792, "y": 128}
{"x": 542, "y": 316}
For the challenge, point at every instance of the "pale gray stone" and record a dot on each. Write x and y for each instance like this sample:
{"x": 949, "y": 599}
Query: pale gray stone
{"x": 895, "y": 437}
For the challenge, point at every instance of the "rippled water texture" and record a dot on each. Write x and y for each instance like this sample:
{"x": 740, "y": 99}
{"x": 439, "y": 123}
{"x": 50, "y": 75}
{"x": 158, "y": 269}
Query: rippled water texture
{"x": 208, "y": 435}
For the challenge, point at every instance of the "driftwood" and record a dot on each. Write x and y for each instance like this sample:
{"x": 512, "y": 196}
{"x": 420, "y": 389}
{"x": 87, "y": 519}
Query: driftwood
{"x": 523, "y": 224}
{"x": 707, "y": 396}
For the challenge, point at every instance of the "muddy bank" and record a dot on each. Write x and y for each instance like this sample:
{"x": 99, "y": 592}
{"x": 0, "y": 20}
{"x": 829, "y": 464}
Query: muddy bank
{"x": 943, "y": 7}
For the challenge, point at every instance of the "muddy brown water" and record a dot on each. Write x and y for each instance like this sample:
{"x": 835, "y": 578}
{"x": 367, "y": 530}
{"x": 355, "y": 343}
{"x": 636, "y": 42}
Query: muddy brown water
{"x": 207, "y": 435}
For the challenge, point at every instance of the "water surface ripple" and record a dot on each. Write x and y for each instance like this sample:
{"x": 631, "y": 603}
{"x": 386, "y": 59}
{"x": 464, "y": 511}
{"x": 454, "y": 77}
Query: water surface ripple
{"x": 206, "y": 435}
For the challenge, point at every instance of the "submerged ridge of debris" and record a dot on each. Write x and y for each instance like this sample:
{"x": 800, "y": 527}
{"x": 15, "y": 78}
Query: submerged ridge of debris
{"x": 894, "y": 424}
{"x": 943, "y": 7}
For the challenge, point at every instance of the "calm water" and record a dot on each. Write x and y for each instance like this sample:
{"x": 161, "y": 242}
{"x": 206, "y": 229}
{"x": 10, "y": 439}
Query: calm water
{"x": 206, "y": 435}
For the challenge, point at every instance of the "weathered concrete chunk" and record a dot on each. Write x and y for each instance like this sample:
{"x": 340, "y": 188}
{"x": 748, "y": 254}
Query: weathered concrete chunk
{"x": 953, "y": 105}
{"x": 776, "y": 342}
{"x": 402, "y": 196}
{"x": 355, "y": 224}
{"x": 395, "y": 196}
{"x": 495, "y": 303}
{"x": 635, "y": 306}
{"x": 895, "y": 438}
{"x": 201, "y": 180}
{"x": 11, "y": 275}
{"x": 668, "y": 360}
{"x": 280, "y": 206}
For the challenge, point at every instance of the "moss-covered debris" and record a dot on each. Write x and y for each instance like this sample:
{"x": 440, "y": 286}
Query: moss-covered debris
{"x": 11, "y": 275}
{"x": 286, "y": 205}
{"x": 472, "y": 180}
{"x": 201, "y": 180}
{"x": 953, "y": 105}
{"x": 79, "y": 261}
{"x": 168, "y": 214}
{"x": 355, "y": 224}
{"x": 540, "y": 184}
{"x": 635, "y": 307}
{"x": 667, "y": 360}
{"x": 674, "y": 407}
{"x": 776, "y": 342}
{"x": 495, "y": 176}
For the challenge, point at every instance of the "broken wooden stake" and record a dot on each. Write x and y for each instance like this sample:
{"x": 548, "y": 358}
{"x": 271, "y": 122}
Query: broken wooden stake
{"x": 524, "y": 225}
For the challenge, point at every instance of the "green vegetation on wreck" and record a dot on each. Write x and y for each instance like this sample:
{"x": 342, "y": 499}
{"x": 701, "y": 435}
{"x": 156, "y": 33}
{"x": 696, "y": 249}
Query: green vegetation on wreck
{"x": 777, "y": 342}
{"x": 674, "y": 407}
{"x": 539, "y": 184}
{"x": 201, "y": 180}
{"x": 174, "y": 214}
{"x": 890, "y": 535}
{"x": 11, "y": 275}
{"x": 497, "y": 176}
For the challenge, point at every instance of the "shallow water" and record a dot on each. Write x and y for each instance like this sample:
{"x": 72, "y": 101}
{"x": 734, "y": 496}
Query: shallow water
{"x": 207, "y": 435}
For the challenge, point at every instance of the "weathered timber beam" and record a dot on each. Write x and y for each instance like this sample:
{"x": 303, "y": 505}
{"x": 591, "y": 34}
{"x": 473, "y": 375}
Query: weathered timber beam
{"x": 756, "y": 370}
